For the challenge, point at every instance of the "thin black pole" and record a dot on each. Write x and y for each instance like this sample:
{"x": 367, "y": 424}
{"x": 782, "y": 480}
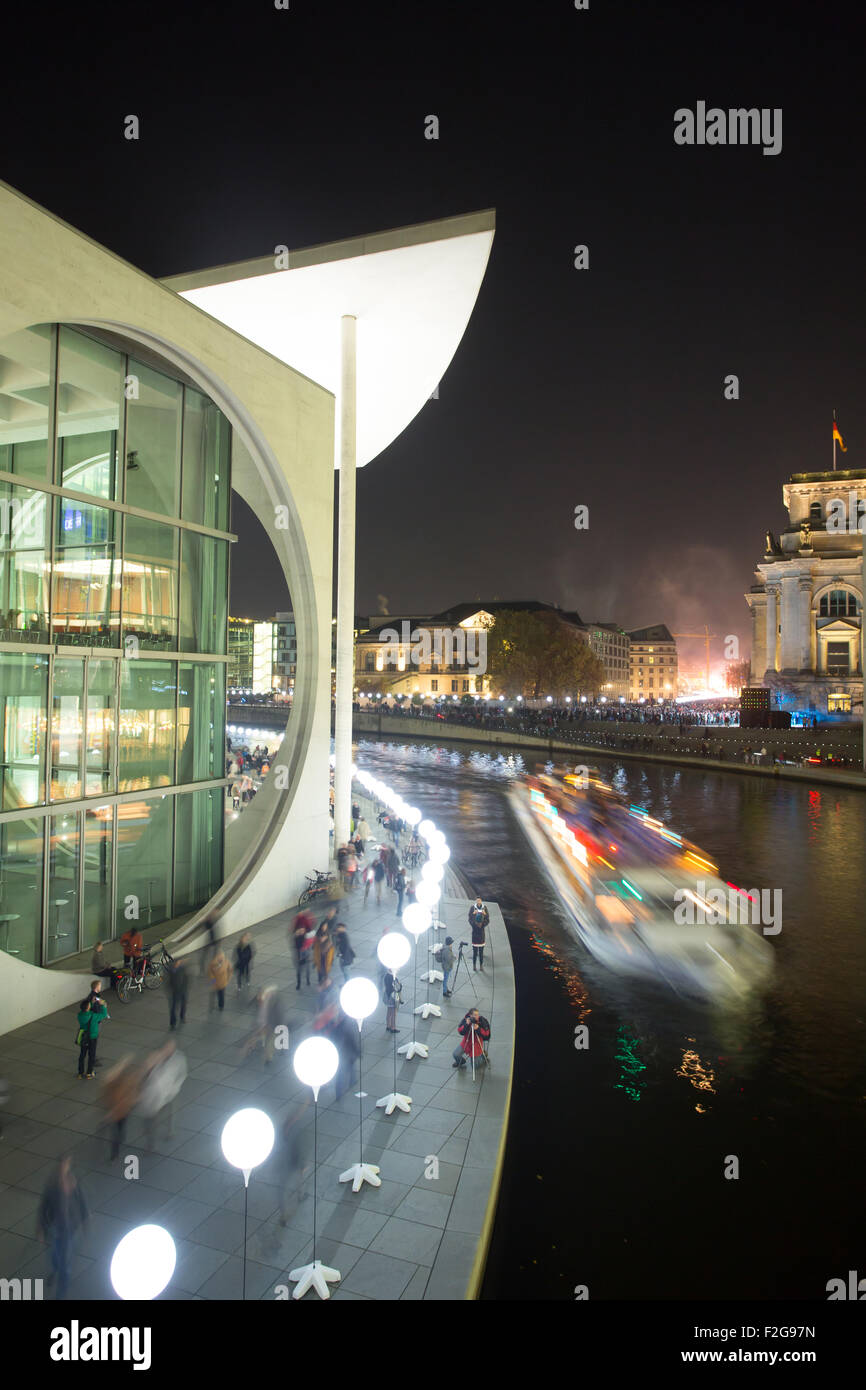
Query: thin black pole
{"x": 361, "y": 1092}
{"x": 246, "y": 1191}
{"x": 415, "y": 972}
{"x": 315, "y": 1166}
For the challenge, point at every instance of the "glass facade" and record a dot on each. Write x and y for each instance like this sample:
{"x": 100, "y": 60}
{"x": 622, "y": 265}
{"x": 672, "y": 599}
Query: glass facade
{"x": 113, "y": 615}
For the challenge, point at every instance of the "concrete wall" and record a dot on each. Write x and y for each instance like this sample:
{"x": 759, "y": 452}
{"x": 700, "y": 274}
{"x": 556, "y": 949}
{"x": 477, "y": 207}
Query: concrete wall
{"x": 284, "y": 433}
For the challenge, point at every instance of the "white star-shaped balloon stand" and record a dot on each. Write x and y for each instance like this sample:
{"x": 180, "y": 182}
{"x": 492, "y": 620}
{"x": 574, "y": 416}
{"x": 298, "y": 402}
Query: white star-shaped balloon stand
{"x": 360, "y": 1173}
{"x": 395, "y": 1101}
{"x": 414, "y": 1049}
{"x": 426, "y": 1009}
{"x": 437, "y": 925}
{"x": 314, "y": 1276}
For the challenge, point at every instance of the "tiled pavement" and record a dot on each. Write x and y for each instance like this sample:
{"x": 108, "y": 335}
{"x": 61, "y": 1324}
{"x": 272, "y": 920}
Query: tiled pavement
{"x": 412, "y": 1238}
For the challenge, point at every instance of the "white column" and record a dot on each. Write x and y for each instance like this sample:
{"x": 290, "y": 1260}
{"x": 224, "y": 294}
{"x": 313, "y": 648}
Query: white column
{"x": 789, "y": 654}
{"x": 345, "y": 586}
{"x": 772, "y": 625}
{"x": 805, "y": 619}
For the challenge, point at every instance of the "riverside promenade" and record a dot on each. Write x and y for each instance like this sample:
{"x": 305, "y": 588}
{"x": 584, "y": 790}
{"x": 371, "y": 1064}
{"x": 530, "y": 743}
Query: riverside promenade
{"x": 681, "y": 753}
{"x": 422, "y": 1235}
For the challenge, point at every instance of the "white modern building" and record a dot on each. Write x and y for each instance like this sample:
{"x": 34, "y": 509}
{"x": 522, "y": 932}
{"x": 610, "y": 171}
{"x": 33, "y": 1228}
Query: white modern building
{"x": 807, "y": 602}
{"x": 128, "y": 413}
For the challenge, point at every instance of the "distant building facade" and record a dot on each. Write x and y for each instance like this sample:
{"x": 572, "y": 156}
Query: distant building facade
{"x": 611, "y": 645}
{"x": 807, "y": 603}
{"x": 653, "y": 665}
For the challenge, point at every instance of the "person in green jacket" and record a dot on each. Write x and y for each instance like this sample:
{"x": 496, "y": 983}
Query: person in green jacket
{"x": 90, "y": 1015}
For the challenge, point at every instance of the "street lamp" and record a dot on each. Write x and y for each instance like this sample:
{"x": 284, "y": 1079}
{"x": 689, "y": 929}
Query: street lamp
{"x": 143, "y": 1263}
{"x": 394, "y": 951}
{"x": 358, "y": 999}
{"x": 315, "y": 1063}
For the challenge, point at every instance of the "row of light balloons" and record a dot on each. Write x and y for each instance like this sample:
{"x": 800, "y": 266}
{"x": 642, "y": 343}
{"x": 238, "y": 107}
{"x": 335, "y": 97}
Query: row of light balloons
{"x": 144, "y": 1260}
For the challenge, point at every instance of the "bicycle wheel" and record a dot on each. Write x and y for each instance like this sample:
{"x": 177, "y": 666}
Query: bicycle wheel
{"x": 305, "y": 897}
{"x": 123, "y": 988}
{"x": 153, "y": 976}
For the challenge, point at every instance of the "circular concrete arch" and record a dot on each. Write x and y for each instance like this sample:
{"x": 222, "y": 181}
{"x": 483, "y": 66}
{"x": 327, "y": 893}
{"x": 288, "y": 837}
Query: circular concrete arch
{"x": 263, "y": 486}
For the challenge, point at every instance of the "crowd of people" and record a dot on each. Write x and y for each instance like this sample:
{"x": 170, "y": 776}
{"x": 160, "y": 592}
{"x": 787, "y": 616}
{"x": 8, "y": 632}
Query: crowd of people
{"x": 147, "y": 1086}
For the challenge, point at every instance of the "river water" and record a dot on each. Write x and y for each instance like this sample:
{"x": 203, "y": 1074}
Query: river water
{"x": 615, "y": 1165}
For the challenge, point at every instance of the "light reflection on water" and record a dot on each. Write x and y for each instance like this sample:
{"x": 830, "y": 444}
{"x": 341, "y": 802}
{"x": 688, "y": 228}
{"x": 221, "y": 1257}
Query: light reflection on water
{"x": 779, "y": 1077}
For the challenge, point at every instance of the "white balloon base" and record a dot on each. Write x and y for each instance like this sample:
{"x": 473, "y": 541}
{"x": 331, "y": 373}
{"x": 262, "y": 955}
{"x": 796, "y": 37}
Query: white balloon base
{"x": 437, "y": 925}
{"x": 414, "y": 1049}
{"x": 395, "y": 1101}
{"x": 432, "y": 976}
{"x": 314, "y": 1276}
{"x": 425, "y": 1010}
{"x": 360, "y": 1173}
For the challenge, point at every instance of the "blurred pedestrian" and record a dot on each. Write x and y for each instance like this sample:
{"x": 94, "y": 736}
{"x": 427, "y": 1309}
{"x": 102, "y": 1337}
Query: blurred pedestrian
{"x": 177, "y": 979}
{"x": 219, "y": 972}
{"x": 207, "y": 955}
{"x": 379, "y": 879}
{"x": 61, "y": 1215}
{"x": 269, "y": 1020}
{"x": 99, "y": 964}
{"x": 400, "y": 888}
{"x": 344, "y": 1035}
{"x": 293, "y": 1160}
{"x": 244, "y": 952}
{"x": 343, "y": 947}
{"x": 303, "y": 931}
{"x": 120, "y": 1090}
{"x": 164, "y": 1075}
{"x": 446, "y": 960}
{"x": 323, "y": 947}
{"x": 391, "y": 994}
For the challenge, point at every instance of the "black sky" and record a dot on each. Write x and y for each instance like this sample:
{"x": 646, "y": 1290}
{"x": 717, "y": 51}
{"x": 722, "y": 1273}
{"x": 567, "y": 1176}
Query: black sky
{"x": 602, "y": 387}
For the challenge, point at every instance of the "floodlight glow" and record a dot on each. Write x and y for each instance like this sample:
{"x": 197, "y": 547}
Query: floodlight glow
{"x": 315, "y": 1062}
{"x": 143, "y": 1263}
{"x": 394, "y": 950}
{"x": 358, "y": 998}
{"x": 247, "y": 1138}
{"x": 417, "y": 918}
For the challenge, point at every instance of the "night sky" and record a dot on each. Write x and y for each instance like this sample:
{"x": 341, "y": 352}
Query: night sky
{"x": 601, "y": 387}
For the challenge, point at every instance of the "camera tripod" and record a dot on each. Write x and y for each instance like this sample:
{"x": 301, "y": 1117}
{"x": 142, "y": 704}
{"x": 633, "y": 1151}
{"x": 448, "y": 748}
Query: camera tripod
{"x": 461, "y": 960}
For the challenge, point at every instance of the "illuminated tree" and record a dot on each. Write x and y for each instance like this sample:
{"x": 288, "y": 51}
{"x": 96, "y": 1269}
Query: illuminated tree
{"x": 535, "y": 654}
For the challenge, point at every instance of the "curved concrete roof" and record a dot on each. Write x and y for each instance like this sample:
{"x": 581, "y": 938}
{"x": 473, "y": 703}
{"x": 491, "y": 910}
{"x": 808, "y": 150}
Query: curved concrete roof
{"x": 412, "y": 291}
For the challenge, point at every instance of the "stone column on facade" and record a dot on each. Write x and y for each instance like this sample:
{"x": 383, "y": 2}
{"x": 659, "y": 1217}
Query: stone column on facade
{"x": 772, "y": 625}
{"x": 345, "y": 586}
{"x": 789, "y": 644}
{"x": 758, "y": 605}
{"x": 804, "y": 597}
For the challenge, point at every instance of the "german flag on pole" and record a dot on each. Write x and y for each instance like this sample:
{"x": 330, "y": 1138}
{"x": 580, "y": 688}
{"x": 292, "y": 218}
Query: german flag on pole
{"x": 837, "y": 437}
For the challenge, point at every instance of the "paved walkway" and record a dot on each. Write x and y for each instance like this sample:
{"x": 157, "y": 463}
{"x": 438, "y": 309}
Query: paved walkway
{"x": 418, "y": 1236}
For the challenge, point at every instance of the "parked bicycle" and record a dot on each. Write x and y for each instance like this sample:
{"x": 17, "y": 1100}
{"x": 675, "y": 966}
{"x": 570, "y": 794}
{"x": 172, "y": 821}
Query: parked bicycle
{"x": 132, "y": 980}
{"x": 319, "y": 887}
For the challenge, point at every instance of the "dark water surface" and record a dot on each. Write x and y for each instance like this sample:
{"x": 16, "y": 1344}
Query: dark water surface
{"x": 615, "y": 1163}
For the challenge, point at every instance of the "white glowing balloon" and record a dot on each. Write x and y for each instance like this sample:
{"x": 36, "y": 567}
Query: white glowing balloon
{"x": 426, "y": 828}
{"x": 428, "y": 893}
{"x": 394, "y": 950}
{"x": 143, "y": 1263}
{"x": 439, "y": 854}
{"x": 417, "y": 918}
{"x": 315, "y": 1062}
{"x": 247, "y": 1138}
{"x": 413, "y": 815}
{"x": 358, "y": 998}
{"x": 433, "y": 871}
{"x": 437, "y": 837}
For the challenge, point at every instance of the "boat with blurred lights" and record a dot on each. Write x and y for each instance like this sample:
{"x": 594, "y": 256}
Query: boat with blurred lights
{"x": 627, "y": 882}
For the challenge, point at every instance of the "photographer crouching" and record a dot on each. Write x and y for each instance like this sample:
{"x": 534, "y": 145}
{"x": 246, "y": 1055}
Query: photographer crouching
{"x": 475, "y": 1032}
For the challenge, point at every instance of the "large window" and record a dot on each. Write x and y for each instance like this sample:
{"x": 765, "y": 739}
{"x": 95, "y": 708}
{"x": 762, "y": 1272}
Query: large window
{"x": 85, "y": 575}
{"x": 203, "y": 594}
{"x": 89, "y": 393}
{"x": 23, "y": 725}
{"x": 144, "y": 862}
{"x": 838, "y": 658}
{"x": 839, "y": 603}
{"x": 63, "y": 851}
{"x": 147, "y": 713}
{"x": 21, "y": 858}
{"x": 201, "y": 721}
{"x": 67, "y": 729}
{"x": 23, "y": 568}
{"x": 198, "y": 848}
{"x": 152, "y": 440}
{"x": 101, "y": 726}
{"x": 206, "y": 453}
{"x": 150, "y": 583}
{"x": 25, "y": 385}
{"x": 96, "y": 916}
